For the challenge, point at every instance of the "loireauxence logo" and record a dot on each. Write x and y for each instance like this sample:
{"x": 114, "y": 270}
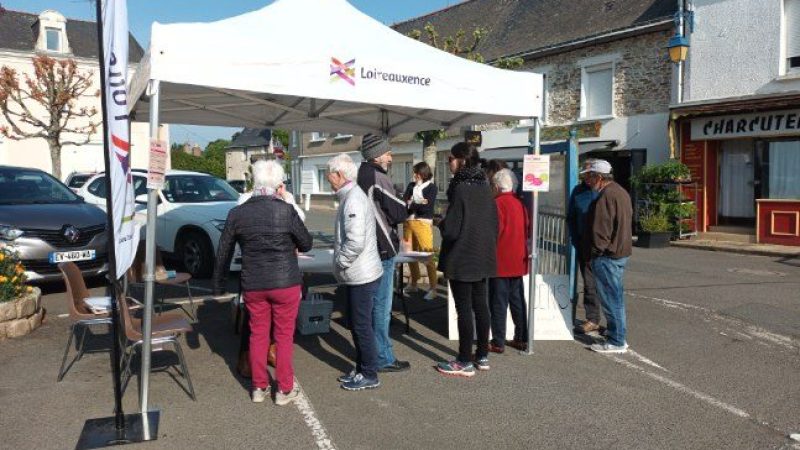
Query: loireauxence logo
{"x": 343, "y": 71}
{"x": 348, "y": 72}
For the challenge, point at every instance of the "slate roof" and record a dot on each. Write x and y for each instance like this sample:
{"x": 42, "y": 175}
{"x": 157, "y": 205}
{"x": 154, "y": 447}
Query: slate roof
{"x": 18, "y": 31}
{"x": 252, "y": 137}
{"x": 520, "y": 26}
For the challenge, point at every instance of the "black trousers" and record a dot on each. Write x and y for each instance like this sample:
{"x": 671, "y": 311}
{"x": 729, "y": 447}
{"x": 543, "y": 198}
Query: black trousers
{"x": 472, "y": 307}
{"x": 359, "y": 302}
{"x": 591, "y": 303}
{"x": 505, "y": 293}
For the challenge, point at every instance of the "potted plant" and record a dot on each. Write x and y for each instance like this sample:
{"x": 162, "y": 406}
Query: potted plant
{"x": 656, "y": 230}
{"x": 20, "y": 305}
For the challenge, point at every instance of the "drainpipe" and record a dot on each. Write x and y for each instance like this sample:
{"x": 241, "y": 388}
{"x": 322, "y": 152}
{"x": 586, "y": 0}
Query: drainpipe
{"x": 679, "y": 30}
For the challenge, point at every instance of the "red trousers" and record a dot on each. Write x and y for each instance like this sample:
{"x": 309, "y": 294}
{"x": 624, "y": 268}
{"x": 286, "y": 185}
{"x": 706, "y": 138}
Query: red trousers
{"x": 275, "y": 311}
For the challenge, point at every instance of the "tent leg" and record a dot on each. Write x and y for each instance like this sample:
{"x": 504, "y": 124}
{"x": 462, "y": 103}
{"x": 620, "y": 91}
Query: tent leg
{"x": 150, "y": 259}
{"x": 534, "y": 250}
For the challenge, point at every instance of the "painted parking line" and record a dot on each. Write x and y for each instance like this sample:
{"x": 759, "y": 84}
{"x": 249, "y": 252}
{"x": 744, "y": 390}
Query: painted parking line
{"x": 321, "y": 437}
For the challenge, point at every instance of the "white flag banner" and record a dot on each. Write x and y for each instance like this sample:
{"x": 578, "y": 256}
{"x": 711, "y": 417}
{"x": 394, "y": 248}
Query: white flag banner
{"x": 117, "y": 129}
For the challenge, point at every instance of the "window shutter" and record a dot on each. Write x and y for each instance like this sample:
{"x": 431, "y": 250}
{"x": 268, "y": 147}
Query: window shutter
{"x": 792, "y": 27}
{"x": 599, "y": 95}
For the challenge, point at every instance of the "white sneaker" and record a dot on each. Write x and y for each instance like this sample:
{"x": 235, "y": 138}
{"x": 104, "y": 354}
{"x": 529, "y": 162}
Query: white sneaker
{"x": 408, "y": 290}
{"x": 609, "y": 348}
{"x": 430, "y": 295}
{"x": 282, "y": 399}
{"x": 259, "y": 395}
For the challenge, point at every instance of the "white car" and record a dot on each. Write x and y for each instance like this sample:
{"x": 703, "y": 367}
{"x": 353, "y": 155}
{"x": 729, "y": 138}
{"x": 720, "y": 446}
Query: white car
{"x": 191, "y": 214}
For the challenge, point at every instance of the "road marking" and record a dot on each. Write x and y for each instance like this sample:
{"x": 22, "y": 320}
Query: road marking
{"x": 303, "y": 404}
{"x": 646, "y": 360}
{"x": 683, "y": 388}
{"x": 740, "y": 326}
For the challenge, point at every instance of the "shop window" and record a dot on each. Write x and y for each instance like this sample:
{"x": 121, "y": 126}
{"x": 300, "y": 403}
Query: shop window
{"x": 597, "y": 91}
{"x": 791, "y": 32}
{"x": 780, "y": 175}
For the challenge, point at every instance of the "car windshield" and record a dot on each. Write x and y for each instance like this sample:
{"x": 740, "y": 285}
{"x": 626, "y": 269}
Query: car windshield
{"x": 76, "y": 181}
{"x": 29, "y": 187}
{"x": 198, "y": 189}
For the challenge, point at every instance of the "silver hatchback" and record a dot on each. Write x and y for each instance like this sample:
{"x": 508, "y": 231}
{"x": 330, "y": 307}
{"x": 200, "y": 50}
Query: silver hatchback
{"x": 47, "y": 223}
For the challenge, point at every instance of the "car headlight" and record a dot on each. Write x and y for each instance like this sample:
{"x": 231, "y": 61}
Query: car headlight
{"x": 9, "y": 233}
{"x": 218, "y": 224}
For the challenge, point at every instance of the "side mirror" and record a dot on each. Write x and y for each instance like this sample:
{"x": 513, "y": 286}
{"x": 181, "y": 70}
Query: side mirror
{"x": 141, "y": 199}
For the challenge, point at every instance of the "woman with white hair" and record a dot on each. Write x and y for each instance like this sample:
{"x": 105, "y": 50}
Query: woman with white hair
{"x": 270, "y": 233}
{"x": 506, "y": 288}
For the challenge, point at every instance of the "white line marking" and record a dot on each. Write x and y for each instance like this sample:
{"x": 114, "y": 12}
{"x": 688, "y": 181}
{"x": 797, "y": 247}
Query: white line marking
{"x": 62, "y": 316}
{"x": 647, "y": 361}
{"x": 683, "y": 388}
{"x": 303, "y": 404}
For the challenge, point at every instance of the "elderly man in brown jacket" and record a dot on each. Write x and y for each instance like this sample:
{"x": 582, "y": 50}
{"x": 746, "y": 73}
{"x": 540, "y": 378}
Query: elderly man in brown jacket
{"x": 610, "y": 220}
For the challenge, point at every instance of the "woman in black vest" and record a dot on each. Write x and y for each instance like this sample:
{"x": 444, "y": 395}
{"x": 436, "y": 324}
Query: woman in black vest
{"x": 468, "y": 256}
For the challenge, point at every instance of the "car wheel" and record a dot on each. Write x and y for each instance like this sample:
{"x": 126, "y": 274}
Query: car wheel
{"x": 196, "y": 254}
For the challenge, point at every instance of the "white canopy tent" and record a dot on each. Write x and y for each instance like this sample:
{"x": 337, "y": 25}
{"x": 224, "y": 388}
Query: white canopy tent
{"x": 311, "y": 65}
{"x": 321, "y": 65}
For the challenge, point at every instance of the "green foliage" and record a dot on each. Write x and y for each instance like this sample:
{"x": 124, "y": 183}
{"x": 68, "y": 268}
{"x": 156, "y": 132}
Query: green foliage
{"x": 655, "y": 222}
{"x": 12, "y": 276}
{"x": 282, "y": 136}
{"x": 212, "y": 162}
{"x": 669, "y": 172}
{"x": 430, "y": 137}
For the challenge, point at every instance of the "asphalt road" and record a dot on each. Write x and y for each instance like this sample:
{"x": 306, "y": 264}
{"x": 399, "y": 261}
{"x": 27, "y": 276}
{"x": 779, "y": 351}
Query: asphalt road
{"x": 715, "y": 364}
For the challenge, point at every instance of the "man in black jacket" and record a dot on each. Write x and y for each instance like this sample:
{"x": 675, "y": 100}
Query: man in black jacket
{"x": 389, "y": 212}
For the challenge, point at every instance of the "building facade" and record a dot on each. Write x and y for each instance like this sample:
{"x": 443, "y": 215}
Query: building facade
{"x": 25, "y": 35}
{"x": 248, "y": 146}
{"x": 739, "y": 118}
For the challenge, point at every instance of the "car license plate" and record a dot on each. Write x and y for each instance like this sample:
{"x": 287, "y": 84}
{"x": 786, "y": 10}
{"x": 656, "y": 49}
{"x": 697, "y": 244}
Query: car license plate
{"x": 77, "y": 255}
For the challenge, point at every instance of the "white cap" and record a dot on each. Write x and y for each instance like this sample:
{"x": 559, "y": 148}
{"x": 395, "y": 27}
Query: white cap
{"x": 598, "y": 166}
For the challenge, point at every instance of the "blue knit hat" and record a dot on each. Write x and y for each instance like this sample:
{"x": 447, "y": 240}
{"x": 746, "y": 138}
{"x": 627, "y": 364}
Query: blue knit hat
{"x": 373, "y": 146}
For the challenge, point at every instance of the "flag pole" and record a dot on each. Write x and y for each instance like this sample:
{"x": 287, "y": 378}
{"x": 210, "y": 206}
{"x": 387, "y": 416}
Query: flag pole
{"x": 119, "y": 429}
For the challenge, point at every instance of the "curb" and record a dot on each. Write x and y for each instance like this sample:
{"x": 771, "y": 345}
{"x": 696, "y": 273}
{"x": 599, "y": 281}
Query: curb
{"x": 702, "y": 245}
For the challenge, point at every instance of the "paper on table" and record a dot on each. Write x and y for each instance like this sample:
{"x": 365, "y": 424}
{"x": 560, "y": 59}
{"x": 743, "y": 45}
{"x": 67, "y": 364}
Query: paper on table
{"x": 415, "y": 254}
{"x": 98, "y": 304}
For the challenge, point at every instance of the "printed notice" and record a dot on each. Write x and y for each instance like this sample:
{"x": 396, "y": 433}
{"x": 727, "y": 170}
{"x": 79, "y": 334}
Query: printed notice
{"x": 536, "y": 173}
{"x": 157, "y": 165}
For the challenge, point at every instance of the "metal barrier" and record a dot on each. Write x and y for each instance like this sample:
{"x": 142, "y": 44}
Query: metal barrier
{"x": 553, "y": 241}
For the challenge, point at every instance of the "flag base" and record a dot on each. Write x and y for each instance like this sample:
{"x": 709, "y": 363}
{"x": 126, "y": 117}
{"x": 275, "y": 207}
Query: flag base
{"x": 103, "y": 432}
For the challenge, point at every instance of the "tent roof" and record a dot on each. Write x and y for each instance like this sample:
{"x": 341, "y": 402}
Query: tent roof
{"x": 313, "y": 65}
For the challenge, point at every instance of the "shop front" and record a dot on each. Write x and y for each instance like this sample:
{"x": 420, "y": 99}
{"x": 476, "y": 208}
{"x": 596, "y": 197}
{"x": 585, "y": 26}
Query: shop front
{"x": 746, "y": 160}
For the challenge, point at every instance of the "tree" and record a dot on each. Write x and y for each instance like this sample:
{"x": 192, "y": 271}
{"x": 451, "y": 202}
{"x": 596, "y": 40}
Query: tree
{"x": 468, "y": 49}
{"x": 55, "y": 88}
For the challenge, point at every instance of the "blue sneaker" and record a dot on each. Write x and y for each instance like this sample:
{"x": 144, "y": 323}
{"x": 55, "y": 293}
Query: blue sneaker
{"x": 482, "y": 363}
{"x": 347, "y": 377}
{"x": 456, "y": 369}
{"x": 360, "y": 382}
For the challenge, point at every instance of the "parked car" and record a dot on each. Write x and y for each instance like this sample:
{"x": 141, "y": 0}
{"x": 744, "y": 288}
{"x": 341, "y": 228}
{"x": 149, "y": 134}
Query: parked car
{"x": 47, "y": 223}
{"x": 191, "y": 213}
{"x": 75, "y": 180}
{"x": 239, "y": 185}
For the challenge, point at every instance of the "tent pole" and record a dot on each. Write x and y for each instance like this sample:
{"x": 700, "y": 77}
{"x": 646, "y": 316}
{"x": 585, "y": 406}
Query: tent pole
{"x": 534, "y": 249}
{"x": 150, "y": 259}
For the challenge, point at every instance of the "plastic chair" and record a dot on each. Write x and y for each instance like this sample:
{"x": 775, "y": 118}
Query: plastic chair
{"x": 166, "y": 329}
{"x": 136, "y": 275}
{"x": 80, "y": 314}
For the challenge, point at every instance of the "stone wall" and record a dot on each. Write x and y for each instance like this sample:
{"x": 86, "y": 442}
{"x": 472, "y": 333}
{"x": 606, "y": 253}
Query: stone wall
{"x": 642, "y": 77}
{"x": 20, "y": 317}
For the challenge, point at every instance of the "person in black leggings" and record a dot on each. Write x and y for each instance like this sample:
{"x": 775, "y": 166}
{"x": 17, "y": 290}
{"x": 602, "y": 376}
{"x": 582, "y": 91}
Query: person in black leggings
{"x": 469, "y": 256}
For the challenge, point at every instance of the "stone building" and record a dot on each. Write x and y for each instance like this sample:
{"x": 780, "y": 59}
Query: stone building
{"x": 247, "y": 147}
{"x": 24, "y": 35}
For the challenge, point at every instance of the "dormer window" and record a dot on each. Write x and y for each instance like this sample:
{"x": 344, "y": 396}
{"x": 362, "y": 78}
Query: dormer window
{"x": 51, "y": 31}
{"x": 53, "y": 39}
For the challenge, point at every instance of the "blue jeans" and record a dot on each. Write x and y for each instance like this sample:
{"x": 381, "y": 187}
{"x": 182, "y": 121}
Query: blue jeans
{"x": 359, "y": 305}
{"x": 608, "y": 273}
{"x": 382, "y": 314}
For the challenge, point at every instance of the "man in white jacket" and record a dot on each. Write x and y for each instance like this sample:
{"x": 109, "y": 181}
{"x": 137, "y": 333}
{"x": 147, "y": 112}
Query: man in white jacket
{"x": 357, "y": 265}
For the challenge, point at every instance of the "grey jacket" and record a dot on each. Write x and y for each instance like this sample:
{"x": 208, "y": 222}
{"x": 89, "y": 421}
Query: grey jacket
{"x": 355, "y": 250}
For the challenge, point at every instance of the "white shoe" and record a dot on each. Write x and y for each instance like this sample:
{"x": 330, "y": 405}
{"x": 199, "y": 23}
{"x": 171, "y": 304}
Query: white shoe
{"x": 609, "y": 348}
{"x": 259, "y": 395}
{"x": 282, "y": 399}
{"x": 408, "y": 290}
{"x": 430, "y": 295}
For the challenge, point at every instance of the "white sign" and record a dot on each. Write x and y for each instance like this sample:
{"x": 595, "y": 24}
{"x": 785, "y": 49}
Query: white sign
{"x": 157, "y": 166}
{"x": 553, "y": 310}
{"x": 117, "y": 132}
{"x": 536, "y": 173}
{"x": 770, "y": 123}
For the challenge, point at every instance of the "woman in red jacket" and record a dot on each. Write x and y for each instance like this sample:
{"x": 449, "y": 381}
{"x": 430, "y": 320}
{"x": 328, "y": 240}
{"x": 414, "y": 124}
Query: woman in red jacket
{"x": 506, "y": 289}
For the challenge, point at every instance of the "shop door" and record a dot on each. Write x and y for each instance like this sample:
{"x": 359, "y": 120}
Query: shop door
{"x": 736, "y": 176}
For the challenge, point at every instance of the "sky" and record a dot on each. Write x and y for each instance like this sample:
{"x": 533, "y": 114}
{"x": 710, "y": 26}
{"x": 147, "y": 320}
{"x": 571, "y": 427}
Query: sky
{"x": 141, "y": 13}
